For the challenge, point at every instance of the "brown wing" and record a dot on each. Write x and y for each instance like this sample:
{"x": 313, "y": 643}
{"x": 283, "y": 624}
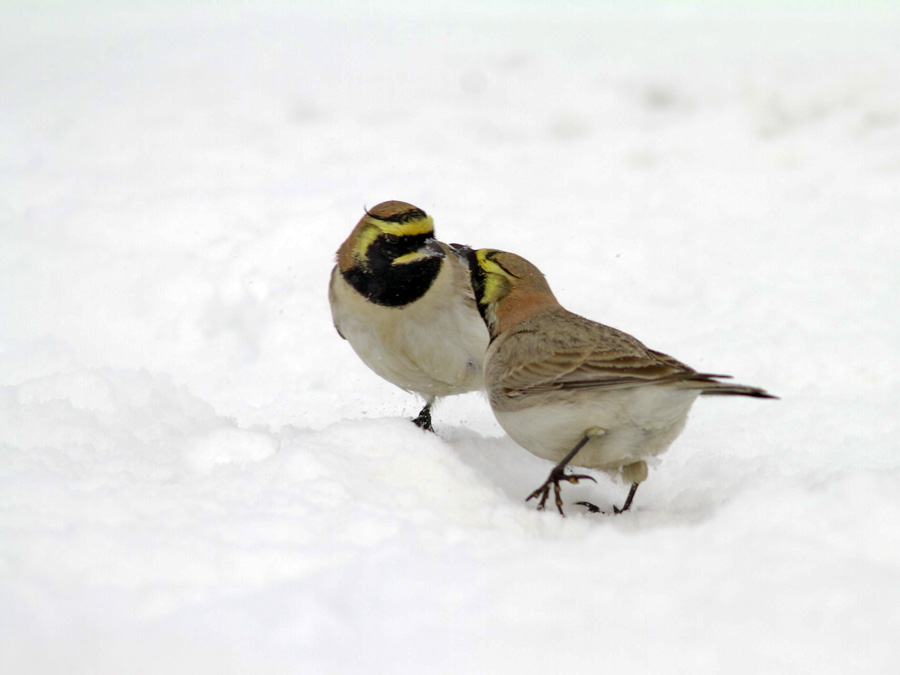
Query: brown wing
{"x": 585, "y": 355}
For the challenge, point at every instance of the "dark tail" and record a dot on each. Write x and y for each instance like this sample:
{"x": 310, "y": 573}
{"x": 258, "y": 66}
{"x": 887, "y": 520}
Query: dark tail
{"x": 728, "y": 389}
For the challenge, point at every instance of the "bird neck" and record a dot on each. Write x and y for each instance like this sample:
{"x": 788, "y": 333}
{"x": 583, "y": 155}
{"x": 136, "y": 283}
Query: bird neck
{"x": 519, "y": 305}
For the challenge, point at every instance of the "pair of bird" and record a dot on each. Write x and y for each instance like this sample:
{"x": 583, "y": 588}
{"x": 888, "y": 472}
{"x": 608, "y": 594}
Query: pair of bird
{"x": 438, "y": 319}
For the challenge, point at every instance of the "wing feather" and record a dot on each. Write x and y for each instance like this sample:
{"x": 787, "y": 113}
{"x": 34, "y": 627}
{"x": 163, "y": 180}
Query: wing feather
{"x": 586, "y": 355}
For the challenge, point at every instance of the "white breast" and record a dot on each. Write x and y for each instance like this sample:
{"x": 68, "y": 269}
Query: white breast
{"x": 434, "y": 346}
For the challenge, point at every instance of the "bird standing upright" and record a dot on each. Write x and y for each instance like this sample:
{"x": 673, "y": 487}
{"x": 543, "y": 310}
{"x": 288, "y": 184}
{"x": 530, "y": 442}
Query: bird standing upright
{"x": 573, "y": 390}
{"x": 403, "y": 301}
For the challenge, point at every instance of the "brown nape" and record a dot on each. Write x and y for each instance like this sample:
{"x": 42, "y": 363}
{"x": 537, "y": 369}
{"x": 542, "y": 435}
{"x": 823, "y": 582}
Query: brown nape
{"x": 520, "y": 304}
{"x": 396, "y": 212}
{"x": 527, "y": 276}
{"x": 529, "y": 295}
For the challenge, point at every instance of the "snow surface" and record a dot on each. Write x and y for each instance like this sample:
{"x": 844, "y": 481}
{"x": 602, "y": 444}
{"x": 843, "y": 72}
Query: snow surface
{"x": 197, "y": 475}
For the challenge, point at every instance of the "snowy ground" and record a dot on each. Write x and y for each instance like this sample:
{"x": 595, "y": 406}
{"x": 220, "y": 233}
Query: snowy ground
{"x": 197, "y": 475}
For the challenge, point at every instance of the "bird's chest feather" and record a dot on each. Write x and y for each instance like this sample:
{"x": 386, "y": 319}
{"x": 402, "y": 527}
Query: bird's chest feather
{"x": 433, "y": 345}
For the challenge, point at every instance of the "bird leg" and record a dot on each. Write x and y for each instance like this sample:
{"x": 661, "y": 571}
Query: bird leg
{"x": 423, "y": 421}
{"x": 617, "y": 510}
{"x": 559, "y": 474}
{"x": 593, "y": 508}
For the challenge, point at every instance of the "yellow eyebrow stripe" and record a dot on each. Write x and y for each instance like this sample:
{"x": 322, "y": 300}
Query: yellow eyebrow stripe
{"x": 410, "y": 228}
{"x": 372, "y": 228}
{"x": 410, "y": 257}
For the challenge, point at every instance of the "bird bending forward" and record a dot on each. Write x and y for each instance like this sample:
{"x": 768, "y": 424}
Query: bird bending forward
{"x": 575, "y": 391}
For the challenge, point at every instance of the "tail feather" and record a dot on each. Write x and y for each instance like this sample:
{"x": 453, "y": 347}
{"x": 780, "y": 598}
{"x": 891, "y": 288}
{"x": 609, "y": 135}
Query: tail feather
{"x": 709, "y": 384}
{"x": 728, "y": 389}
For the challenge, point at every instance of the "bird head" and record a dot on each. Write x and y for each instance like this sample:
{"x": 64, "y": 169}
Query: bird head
{"x": 389, "y": 234}
{"x": 507, "y": 288}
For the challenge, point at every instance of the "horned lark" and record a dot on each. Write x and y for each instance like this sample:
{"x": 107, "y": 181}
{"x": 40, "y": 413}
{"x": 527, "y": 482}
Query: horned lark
{"x": 403, "y": 301}
{"x": 575, "y": 391}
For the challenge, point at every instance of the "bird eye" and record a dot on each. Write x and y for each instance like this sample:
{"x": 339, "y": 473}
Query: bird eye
{"x": 391, "y": 238}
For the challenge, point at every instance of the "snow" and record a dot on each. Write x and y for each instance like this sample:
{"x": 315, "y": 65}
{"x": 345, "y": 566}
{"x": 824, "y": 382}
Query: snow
{"x": 198, "y": 475}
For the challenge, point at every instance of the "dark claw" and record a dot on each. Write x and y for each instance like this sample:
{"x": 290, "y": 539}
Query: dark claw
{"x": 593, "y": 508}
{"x": 616, "y": 510}
{"x": 423, "y": 421}
{"x": 556, "y": 476}
{"x": 543, "y": 492}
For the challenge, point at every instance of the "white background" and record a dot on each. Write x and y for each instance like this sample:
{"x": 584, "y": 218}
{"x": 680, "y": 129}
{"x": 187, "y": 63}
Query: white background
{"x": 198, "y": 475}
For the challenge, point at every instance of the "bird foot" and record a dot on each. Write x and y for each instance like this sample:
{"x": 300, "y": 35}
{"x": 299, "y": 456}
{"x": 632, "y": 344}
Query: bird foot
{"x": 423, "y": 421}
{"x": 556, "y": 476}
{"x": 593, "y": 508}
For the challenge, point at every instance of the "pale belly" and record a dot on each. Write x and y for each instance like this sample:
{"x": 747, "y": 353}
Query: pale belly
{"x": 636, "y": 423}
{"x": 422, "y": 357}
